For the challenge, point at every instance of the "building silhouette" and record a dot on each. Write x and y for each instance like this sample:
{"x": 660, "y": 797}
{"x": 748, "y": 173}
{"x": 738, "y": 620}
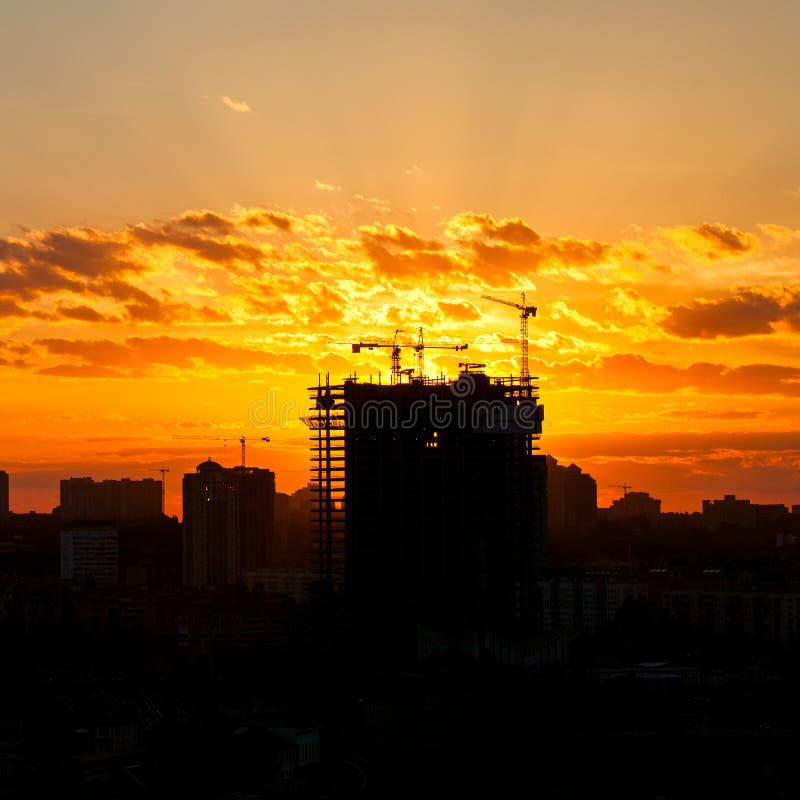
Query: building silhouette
{"x": 741, "y": 513}
{"x": 4, "y": 495}
{"x": 571, "y": 497}
{"x": 429, "y": 500}
{"x": 90, "y": 550}
{"x": 635, "y": 505}
{"x": 228, "y": 523}
{"x": 85, "y": 499}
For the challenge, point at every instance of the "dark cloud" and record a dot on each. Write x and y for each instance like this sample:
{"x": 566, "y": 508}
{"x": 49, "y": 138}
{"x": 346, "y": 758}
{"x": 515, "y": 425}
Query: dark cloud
{"x": 122, "y": 291}
{"x": 217, "y": 251}
{"x": 213, "y": 222}
{"x": 260, "y": 218}
{"x": 62, "y": 260}
{"x": 8, "y": 308}
{"x": 721, "y": 237}
{"x": 577, "y": 252}
{"x": 85, "y": 314}
{"x": 206, "y": 221}
{"x": 269, "y": 306}
{"x": 81, "y": 371}
{"x": 627, "y": 372}
{"x": 513, "y": 231}
{"x": 409, "y": 263}
{"x": 168, "y": 312}
{"x": 492, "y": 250}
{"x": 399, "y": 252}
{"x": 31, "y": 280}
{"x": 496, "y": 250}
{"x": 745, "y": 314}
{"x": 85, "y": 252}
{"x": 136, "y": 354}
{"x": 399, "y": 237}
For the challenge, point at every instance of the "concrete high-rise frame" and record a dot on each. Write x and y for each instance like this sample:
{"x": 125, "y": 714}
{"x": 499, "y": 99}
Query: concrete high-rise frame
{"x": 430, "y": 499}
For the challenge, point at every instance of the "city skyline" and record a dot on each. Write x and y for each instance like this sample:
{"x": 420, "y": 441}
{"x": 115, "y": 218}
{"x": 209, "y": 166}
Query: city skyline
{"x": 200, "y": 214}
{"x": 555, "y": 472}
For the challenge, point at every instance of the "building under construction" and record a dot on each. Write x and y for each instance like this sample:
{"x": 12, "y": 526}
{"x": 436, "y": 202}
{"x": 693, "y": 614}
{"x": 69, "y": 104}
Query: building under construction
{"x": 429, "y": 498}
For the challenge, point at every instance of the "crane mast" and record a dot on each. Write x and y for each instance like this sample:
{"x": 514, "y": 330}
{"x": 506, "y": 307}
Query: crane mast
{"x": 420, "y": 347}
{"x": 163, "y": 471}
{"x": 525, "y": 312}
{"x": 393, "y": 345}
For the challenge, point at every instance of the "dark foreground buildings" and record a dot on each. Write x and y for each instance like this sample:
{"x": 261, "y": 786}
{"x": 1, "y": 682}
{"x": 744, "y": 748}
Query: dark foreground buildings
{"x": 228, "y": 523}
{"x": 429, "y": 501}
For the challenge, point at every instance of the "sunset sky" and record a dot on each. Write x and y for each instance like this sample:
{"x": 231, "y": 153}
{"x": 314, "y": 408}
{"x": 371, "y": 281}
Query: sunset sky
{"x": 200, "y": 203}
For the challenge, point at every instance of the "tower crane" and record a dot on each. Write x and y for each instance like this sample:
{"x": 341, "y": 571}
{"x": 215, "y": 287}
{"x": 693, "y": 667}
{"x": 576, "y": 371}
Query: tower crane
{"x": 419, "y": 348}
{"x": 623, "y": 486}
{"x": 163, "y": 471}
{"x": 525, "y": 312}
{"x": 395, "y": 347}
{"x": 224, "y": 439}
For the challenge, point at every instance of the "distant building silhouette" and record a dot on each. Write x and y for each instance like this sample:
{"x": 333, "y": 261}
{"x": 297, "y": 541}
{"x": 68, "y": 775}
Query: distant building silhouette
{"x": 90, "y": 550}
{"x": 634, "y": 505}
{"x": 85, "y": 499}
{"x": 4, "y": 495}
{"x": 571, "y": 497}
{"x": 228, "y": 523}
{"x": 290, "y": 546}
{"x": 280, "y": 543}
{"x": 740, "y": 512}
{"x": 430, "y": 500}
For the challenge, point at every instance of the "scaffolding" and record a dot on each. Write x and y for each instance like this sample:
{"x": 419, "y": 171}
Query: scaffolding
{"x": 326, "y": 424}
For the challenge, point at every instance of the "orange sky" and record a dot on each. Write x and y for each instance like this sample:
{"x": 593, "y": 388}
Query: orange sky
{"x": 195, "y": 212}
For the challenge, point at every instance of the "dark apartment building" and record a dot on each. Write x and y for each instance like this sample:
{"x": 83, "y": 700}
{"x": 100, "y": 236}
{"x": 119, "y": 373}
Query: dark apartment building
{"x": 635, "y": 505}
{"x": 741, "y": 512}
{"x": 228, "y": 523}
{"x": 4, "y": 497}
{"x": 429, "y": 499}
{"x": 571, "y": 497}
{"x": 86, "y": 499}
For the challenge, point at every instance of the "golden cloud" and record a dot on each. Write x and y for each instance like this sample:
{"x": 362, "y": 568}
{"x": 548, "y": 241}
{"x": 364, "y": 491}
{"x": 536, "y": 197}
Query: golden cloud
{"x": 236, "y": 105}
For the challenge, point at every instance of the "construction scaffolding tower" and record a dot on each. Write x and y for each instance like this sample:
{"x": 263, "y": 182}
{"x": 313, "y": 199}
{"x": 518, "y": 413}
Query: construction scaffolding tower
{"x": 326, "y": 424}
